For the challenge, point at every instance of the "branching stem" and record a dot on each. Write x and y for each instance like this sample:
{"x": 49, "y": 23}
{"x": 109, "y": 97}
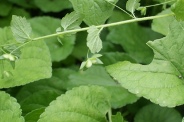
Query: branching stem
{"x": 120, "y": 9}
{"x": 159, "y": 4}
{"x": 19, "y": 47}
{"x": 104, "y": 26}
{"x": 8, "y": 44}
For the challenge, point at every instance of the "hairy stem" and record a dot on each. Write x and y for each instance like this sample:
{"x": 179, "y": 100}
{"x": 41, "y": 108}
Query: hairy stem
{"x": 104, "y": 26}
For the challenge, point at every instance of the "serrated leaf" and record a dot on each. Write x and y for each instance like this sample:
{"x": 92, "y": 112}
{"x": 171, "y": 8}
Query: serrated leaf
{"x": 39, "y": 94}
{"x": 88, "y": 104}
{"x": 21, "y": 28}
{"x": 155, "y": 113}
{"x": 178, "y": 9}
{"x": 93, "y": 39}
{"x": 71, "y": 21}
{"x": 130, "y": 37}
{"x": 53, "y": 5}
{"x": 95, "y": 12}
{"x": 38, "y": 100}
{"x": 41, "y": 27}
{"x": 34, "y": 115}
{"x": 161, "y": 25}
{"x": 10, "y": 110}
{"x": 118, "y": 118}
{"x": 33, "y": 55}
{"x": 51, "y": 84}
{"x": 132, "y": 5}
{"x": 162, "y": 79}
{"x": 120, "y": 96}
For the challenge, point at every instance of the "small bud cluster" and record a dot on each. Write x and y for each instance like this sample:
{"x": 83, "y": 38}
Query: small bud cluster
{"x": 90, "y": 61}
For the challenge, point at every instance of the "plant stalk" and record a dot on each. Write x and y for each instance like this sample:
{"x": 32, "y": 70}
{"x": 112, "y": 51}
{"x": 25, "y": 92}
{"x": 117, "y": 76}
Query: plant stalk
{"x": 104, "y": 26}
{"x": 109, "y": 115}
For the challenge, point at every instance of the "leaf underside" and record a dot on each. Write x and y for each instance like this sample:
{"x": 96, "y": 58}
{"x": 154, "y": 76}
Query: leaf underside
{"x": 132, "y": 5}
{"x": 21, "y": 28}
{"x": 93, "y": 39}
{"x": 71, "y": 21}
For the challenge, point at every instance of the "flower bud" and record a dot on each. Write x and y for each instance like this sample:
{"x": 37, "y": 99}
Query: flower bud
{"x": 88, "y": 63}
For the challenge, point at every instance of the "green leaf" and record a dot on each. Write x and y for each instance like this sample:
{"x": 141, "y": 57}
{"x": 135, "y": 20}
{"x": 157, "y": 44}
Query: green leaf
{"x": 21, "y": 29}
{"x": 88, "y": 104}
{"x": 132, "y": 5}
{"x": 10, "y": 110}
{"x": 34, "y": 115}
{"x": 142, "y": 10}
{"x": 162, "y": 80}
{"x": 71, "y": 21}
{"x": 93, "y": 39}
{"x": 80, "y": 48}
{"x": 155, "y": 113}
{"x": 51, "y": 84}
{"x": 130, "y": 37}
{"x": 62, "y": 76}
{"x": 120, "y": 96}
{"x": 38, "y": 99}
{"x": 39, "y": 94}
{"x": 95, "y": 12}
{"x": 33, "y": 55}
{"x": 41, "y": 28}
{"x": 5, "y": 21}
{"x": 53, "y": 5}
{"x": 161, "y": 25}
{"x": 5, "y": 7}
{"x": 114, "y": 57}
{"x": 24, "y": 3}
{"x": 118, "y": 118}
{"x": 178, "y": 9}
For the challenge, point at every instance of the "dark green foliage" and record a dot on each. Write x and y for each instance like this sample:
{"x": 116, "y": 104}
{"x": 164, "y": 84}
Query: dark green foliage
{"x": 91, "y": 60}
